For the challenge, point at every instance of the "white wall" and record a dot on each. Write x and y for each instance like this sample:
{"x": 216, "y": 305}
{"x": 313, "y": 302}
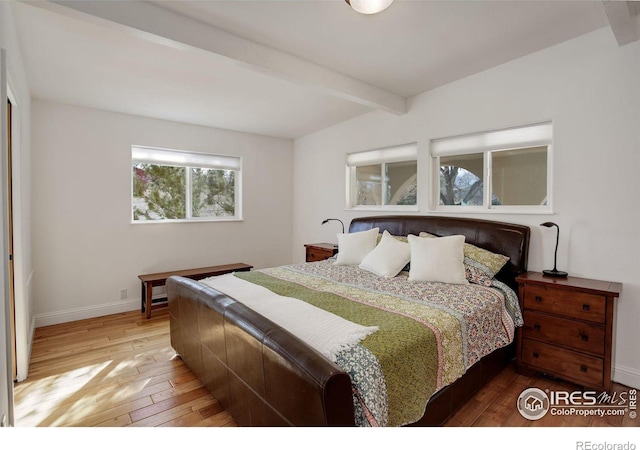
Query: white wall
{"x": 85, "y": 247}
{"x": 590, "y": 88}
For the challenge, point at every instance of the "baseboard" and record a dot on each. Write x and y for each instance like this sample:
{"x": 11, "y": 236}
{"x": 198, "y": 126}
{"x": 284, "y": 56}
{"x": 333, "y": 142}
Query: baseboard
{"x": 627, "y": 376}
{"x": 88, "y": 312}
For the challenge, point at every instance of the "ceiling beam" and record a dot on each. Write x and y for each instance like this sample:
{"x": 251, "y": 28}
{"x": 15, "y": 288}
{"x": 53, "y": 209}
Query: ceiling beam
{"x": 624, "y": 21}
{"x": 159, "y": 25}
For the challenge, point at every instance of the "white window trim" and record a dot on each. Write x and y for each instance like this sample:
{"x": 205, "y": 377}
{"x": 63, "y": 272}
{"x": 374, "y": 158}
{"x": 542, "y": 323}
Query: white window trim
{"x": 382, "y": 156}
{"x": 189, "y": 160}
{"x": 526, "y": 136}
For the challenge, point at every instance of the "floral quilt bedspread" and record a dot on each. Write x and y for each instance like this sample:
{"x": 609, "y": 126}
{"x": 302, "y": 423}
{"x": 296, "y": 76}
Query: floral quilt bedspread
{"x": 429, "y": 333}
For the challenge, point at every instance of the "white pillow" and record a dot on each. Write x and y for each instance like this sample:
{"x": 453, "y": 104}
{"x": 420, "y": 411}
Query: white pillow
{"x": 388, "y": 258}
{"x": 353, "y": 247}
{"x": 439, "y": 259}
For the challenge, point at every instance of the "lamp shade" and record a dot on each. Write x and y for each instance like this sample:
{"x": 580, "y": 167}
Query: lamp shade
{"x": 369, "y": 6}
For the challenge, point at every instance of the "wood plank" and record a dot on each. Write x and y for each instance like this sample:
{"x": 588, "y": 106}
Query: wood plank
{"x": 222, "y": 419}
{"x": 120, "y": 421}
{"x": 133, "y": 391}
{"x": 188, "y": 420}
{"x": 173, "y": 392}
{"x": 173, "y": 410}
{"x": 501, "y": 407}
{"x": 81, "y": 417}
{"x": 169, "y": 403}
{"x": 468, "y": 415}
{"x": 210, "y": 410}
{"x": 159, "y": 375}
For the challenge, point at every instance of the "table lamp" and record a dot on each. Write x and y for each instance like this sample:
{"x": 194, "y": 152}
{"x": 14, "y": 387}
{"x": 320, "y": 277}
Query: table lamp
{"x": 327, "y": 220}
{"x": 555, "y": 272}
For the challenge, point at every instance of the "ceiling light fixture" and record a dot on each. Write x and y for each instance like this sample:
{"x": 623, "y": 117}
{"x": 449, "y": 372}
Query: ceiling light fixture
{"x": 369, "y": 6}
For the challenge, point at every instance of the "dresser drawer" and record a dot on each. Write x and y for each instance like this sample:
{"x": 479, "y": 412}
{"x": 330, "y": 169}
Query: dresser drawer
{"x": 583, "y": 369}
{"x": 580, "y": 336}
{"x": 318, "y": 255}
{"x": 571, "y": 304}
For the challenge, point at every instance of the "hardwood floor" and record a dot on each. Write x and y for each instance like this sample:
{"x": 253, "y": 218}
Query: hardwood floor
{"x": 120, "y": 371}
{"x": 112, "y": 371}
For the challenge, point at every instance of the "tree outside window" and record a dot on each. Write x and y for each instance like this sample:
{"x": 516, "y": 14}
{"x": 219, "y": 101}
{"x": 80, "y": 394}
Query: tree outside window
{"x": 164, "y": 192}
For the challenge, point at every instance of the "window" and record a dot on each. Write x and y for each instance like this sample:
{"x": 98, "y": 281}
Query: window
{"x": 503, "y": 170}
{"x": 171, "y": 185}
{"x": 383, "y": 178}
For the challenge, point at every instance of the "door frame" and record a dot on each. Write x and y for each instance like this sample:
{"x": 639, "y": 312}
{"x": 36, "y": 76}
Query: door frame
{"x": 9, "y": 231}
{"x": 6, "y": 412}
{"x": 22, "y": 274}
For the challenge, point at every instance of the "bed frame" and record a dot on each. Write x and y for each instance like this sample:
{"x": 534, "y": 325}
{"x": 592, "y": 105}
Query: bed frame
{"x": 265, "y": 376}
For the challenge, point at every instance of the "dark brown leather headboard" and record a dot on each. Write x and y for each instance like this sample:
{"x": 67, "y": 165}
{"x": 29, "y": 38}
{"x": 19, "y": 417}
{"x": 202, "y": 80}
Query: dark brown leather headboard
{"x": 499, "y": 237}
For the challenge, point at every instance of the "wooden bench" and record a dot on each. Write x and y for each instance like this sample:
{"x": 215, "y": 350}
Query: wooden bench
{"x": 150, "y": 280}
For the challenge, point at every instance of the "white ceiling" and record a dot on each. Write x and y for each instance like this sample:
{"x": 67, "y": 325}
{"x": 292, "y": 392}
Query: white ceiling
{"x": 281, "y": 68}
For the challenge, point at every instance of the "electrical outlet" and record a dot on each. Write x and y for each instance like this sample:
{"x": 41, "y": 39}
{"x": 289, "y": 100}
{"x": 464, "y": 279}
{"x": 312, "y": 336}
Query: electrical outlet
{"x": 123, "y": 294}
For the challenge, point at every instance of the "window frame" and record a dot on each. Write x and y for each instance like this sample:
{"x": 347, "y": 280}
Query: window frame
{"x": 487, "y": 143}
{"x": 188, "y": 160}
{"x": 383, "y": 156}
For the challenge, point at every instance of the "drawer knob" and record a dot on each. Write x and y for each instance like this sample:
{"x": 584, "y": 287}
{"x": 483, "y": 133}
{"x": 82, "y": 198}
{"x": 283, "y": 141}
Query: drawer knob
{"x": 536, "y": 327}
{"x": 583, "y": 368}
{"x": 584, "y": 337}
{"x": 536, "y": 354}
{"x": 538, "y": 298}
{"x": 585, "y": 307}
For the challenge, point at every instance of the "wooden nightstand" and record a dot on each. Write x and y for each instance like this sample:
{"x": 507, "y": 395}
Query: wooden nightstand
{"x": 568, "y": 328}
{"x": 318, "y": 252}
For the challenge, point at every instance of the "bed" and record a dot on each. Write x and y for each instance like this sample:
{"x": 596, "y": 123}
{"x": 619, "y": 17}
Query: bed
{"x": 266, "y": 372}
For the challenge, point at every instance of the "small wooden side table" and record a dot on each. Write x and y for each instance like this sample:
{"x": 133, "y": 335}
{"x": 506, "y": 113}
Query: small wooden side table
{"x": 150, "y": 280}
{"x": 319, "y": 252}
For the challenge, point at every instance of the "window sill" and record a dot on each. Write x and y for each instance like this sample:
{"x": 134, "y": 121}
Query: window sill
{"x": 457, "y": 210}
{"x": 168, "y": 221}
{"x": 383, "y": 208}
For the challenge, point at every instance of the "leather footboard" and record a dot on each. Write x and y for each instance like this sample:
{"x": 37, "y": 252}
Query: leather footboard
{"x": 259, "y": 372}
